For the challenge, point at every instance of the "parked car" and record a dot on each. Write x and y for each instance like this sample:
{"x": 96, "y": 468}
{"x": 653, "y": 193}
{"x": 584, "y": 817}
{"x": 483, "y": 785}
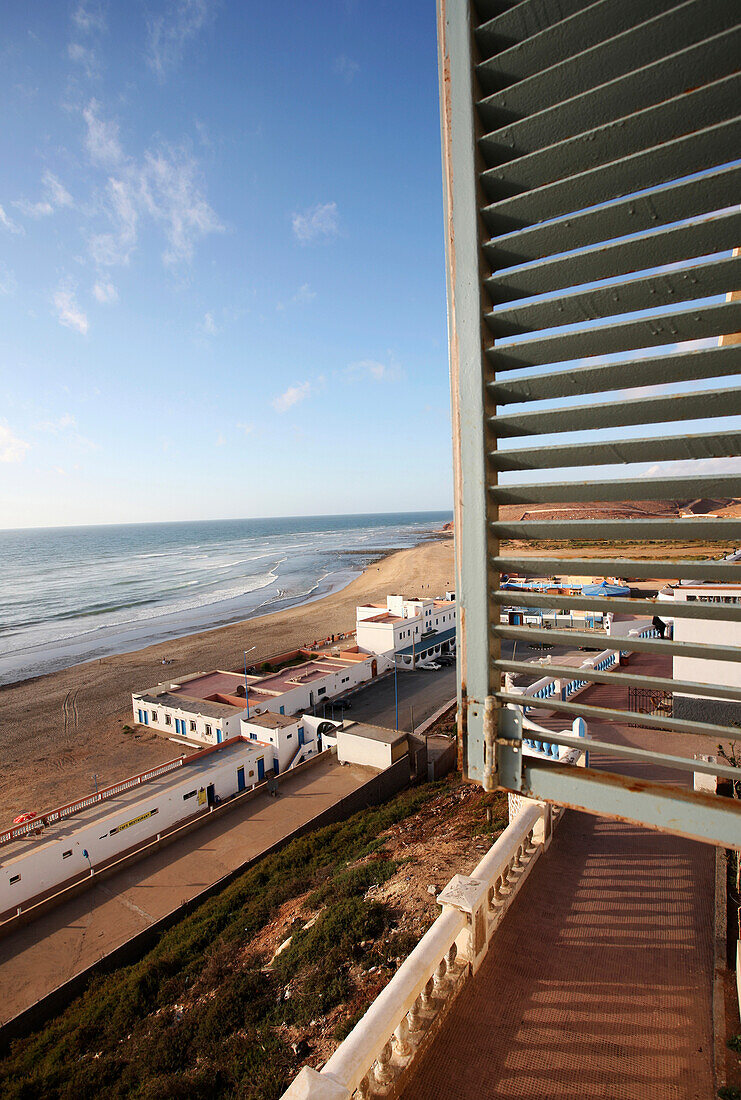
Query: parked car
{"x": 428, "y": 666}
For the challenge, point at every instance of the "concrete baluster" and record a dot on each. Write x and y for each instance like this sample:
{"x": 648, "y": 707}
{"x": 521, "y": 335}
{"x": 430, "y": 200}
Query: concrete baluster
{"x": 383, "y": 1071}
{"x": 401, "y": 1039}
{"x": 427, "y": 993}
{"x": 440, "y": 978}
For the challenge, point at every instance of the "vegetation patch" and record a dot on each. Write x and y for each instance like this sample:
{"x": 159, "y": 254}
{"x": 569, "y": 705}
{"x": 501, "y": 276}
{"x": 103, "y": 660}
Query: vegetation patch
{"x": 205, "y": 1013}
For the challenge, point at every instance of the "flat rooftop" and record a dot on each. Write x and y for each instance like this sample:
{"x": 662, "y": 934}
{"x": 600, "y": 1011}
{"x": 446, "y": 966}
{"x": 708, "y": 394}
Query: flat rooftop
{"x": 188, "y": 704}
{"x": 271, "y": 721}
{"x": 374, "y": 733}
{"x": 115, "y": 811}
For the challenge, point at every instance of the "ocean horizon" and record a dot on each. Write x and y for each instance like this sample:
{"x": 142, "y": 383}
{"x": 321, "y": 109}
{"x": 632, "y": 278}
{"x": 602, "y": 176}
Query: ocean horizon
{"x": 73, "y": 594}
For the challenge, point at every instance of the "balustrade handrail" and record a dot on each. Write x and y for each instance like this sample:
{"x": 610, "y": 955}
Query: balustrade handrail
{"x": 364, "y": 1046}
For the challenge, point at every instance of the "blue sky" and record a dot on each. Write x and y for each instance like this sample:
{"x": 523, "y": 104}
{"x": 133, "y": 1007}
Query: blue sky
{"x": 221, "y": 261}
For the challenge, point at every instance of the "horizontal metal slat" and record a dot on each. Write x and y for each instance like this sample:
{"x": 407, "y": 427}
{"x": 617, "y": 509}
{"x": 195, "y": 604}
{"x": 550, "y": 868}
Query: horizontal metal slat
{"x": 670, "y": 809}
{"x": 684, "y": 242}
{"x": 717, "y": 362}
{"x": 727, "y": 613}
{"x": 723, "y": 572}
{"x": 516, "y": 170}
{"x": 690, "y": 323}
{"x": 714, "y": 58}
{"x": 573, "y": 638}
{"x": 682, "y": 156}
{"x": 703, "y": 279}
{"x": 665, "y": 449}
{"x": 661, "y": 530}
{"x": 518, "y": 241}
{"x": 698, "y": 405}
{"x": 625, "y": 717}
{"x": 640, "y": 45}
{"x": 668, "y": 760}
{"x": 625, "y": 677}
{"x": 591, "y": 26}
{"x": 522, "y": 21}
{"x": 625, "y": 489}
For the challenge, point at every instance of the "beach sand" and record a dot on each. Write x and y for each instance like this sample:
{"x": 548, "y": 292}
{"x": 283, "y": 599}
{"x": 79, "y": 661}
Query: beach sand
{"x": 59, "y": 731}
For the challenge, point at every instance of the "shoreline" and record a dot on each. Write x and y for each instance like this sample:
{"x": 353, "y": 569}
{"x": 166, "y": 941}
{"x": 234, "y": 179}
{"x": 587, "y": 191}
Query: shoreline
{"x": 61, "y": 729}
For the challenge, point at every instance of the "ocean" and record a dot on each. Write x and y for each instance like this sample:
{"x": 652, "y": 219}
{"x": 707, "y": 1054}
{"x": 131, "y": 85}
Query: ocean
{"x": 71, "y": 594}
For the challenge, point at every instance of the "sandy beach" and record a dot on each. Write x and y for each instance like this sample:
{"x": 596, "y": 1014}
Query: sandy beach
{"x": 59, "y": 731}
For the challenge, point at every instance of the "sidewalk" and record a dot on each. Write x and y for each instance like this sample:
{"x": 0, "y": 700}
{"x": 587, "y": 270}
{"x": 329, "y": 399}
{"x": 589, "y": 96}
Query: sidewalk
{"x": 599, "y": 981}
{"x": 39, "y": 957}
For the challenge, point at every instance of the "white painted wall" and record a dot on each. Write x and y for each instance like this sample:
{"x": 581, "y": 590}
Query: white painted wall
{"x": 44, "y": 866}
{"x": 206, "y": 728}
{"x": 707, "y": 632}
{"x": 354, "y": 749}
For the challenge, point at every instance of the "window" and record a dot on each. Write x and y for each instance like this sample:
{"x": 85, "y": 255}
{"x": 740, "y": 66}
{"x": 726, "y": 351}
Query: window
{"x": 66, "y": 855}
{"x": 168, "y": 719}
{"x": 251, "y": 774}
{"x": 321, "y": 691}
{"x": 192, "y": 725}
{"x": 289, "y": 736}
{"x": 282, "y": 710}
{"x": 15, "y": 878}
{"x": 208, "y": 731}
{"x": 253, "y": 737}
{"x": 190, "y": 794}
{"x": 154, "y": 715}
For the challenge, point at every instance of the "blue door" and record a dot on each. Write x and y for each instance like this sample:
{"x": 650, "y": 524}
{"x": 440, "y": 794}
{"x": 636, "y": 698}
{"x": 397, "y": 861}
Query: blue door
{"x": 219, "y": 737}
{"x": 300, "y": 735}
{"x": 261, "y": 768}
{"x": 141, "y": 717}
{"x": 146, "y": 717}
{"x": 276, "y": 769}
{"x": 240, "y": 778}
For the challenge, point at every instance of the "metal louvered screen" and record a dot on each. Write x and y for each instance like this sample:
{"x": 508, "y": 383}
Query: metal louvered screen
{"x": 592, "y": 159}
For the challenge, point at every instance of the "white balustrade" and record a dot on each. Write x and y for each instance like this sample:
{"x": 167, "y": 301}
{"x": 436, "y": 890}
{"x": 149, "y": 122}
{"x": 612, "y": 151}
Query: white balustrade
{"x": 384, "y": 1042}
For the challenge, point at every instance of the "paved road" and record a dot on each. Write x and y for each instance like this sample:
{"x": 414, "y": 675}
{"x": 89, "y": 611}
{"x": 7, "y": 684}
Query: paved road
{"x": 36, "y": 959}
{"x": 424, "y": 692}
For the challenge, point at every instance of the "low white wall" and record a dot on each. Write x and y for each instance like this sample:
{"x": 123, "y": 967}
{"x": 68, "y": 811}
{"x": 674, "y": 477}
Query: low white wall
{"x": 354, "y": 749}
{"x": 45, "y": 865}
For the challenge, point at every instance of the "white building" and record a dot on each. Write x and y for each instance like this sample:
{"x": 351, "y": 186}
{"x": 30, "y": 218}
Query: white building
{"x": 287, "y": 741}
{"x": 208, "y": 707}
{"x": 54, "y": 850}
{"x": 707, "y": 708}
{"x": 373, "y": 746}
{"x": 410, "y": 629}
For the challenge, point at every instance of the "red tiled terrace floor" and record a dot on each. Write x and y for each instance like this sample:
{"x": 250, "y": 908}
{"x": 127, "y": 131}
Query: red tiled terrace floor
{"x": 598, "y": 982}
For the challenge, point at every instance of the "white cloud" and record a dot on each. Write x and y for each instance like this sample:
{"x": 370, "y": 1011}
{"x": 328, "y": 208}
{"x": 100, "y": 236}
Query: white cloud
{"x": 371, "y": 368}
{"x": 85, "y": 56}
{"x": 12, "y": 449}
{"x": 54, "y": 427}
{"x": 169, "y": 34}
{"x": 89, "y": 17}
{"x": 8, "y": 223}
{"x": 346, "y": 68}
{"x": 246, "y": 428}
{"x": 105, "y": 293}
{"x": 165, "y": 185}
{"x": 68, "y": 312}
{"x": 209, "y": 326}
{"x": 220, "y": 440}
{"x": 102, "y": 140}
{"x": 292, "y": 396}
{"x": 318, "y": 222}
{"x": 8, "y": 282}
{"x": 690, "y": 467}
{"x": 173, "y": 196}
{"x": 57, "y": 196}
{"x": 66, "y": 426}
{"x": 303, "y": 296}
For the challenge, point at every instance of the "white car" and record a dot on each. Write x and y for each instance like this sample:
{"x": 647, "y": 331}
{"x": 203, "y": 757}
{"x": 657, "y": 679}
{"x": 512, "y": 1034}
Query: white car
{"x": 428, "y": 666}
